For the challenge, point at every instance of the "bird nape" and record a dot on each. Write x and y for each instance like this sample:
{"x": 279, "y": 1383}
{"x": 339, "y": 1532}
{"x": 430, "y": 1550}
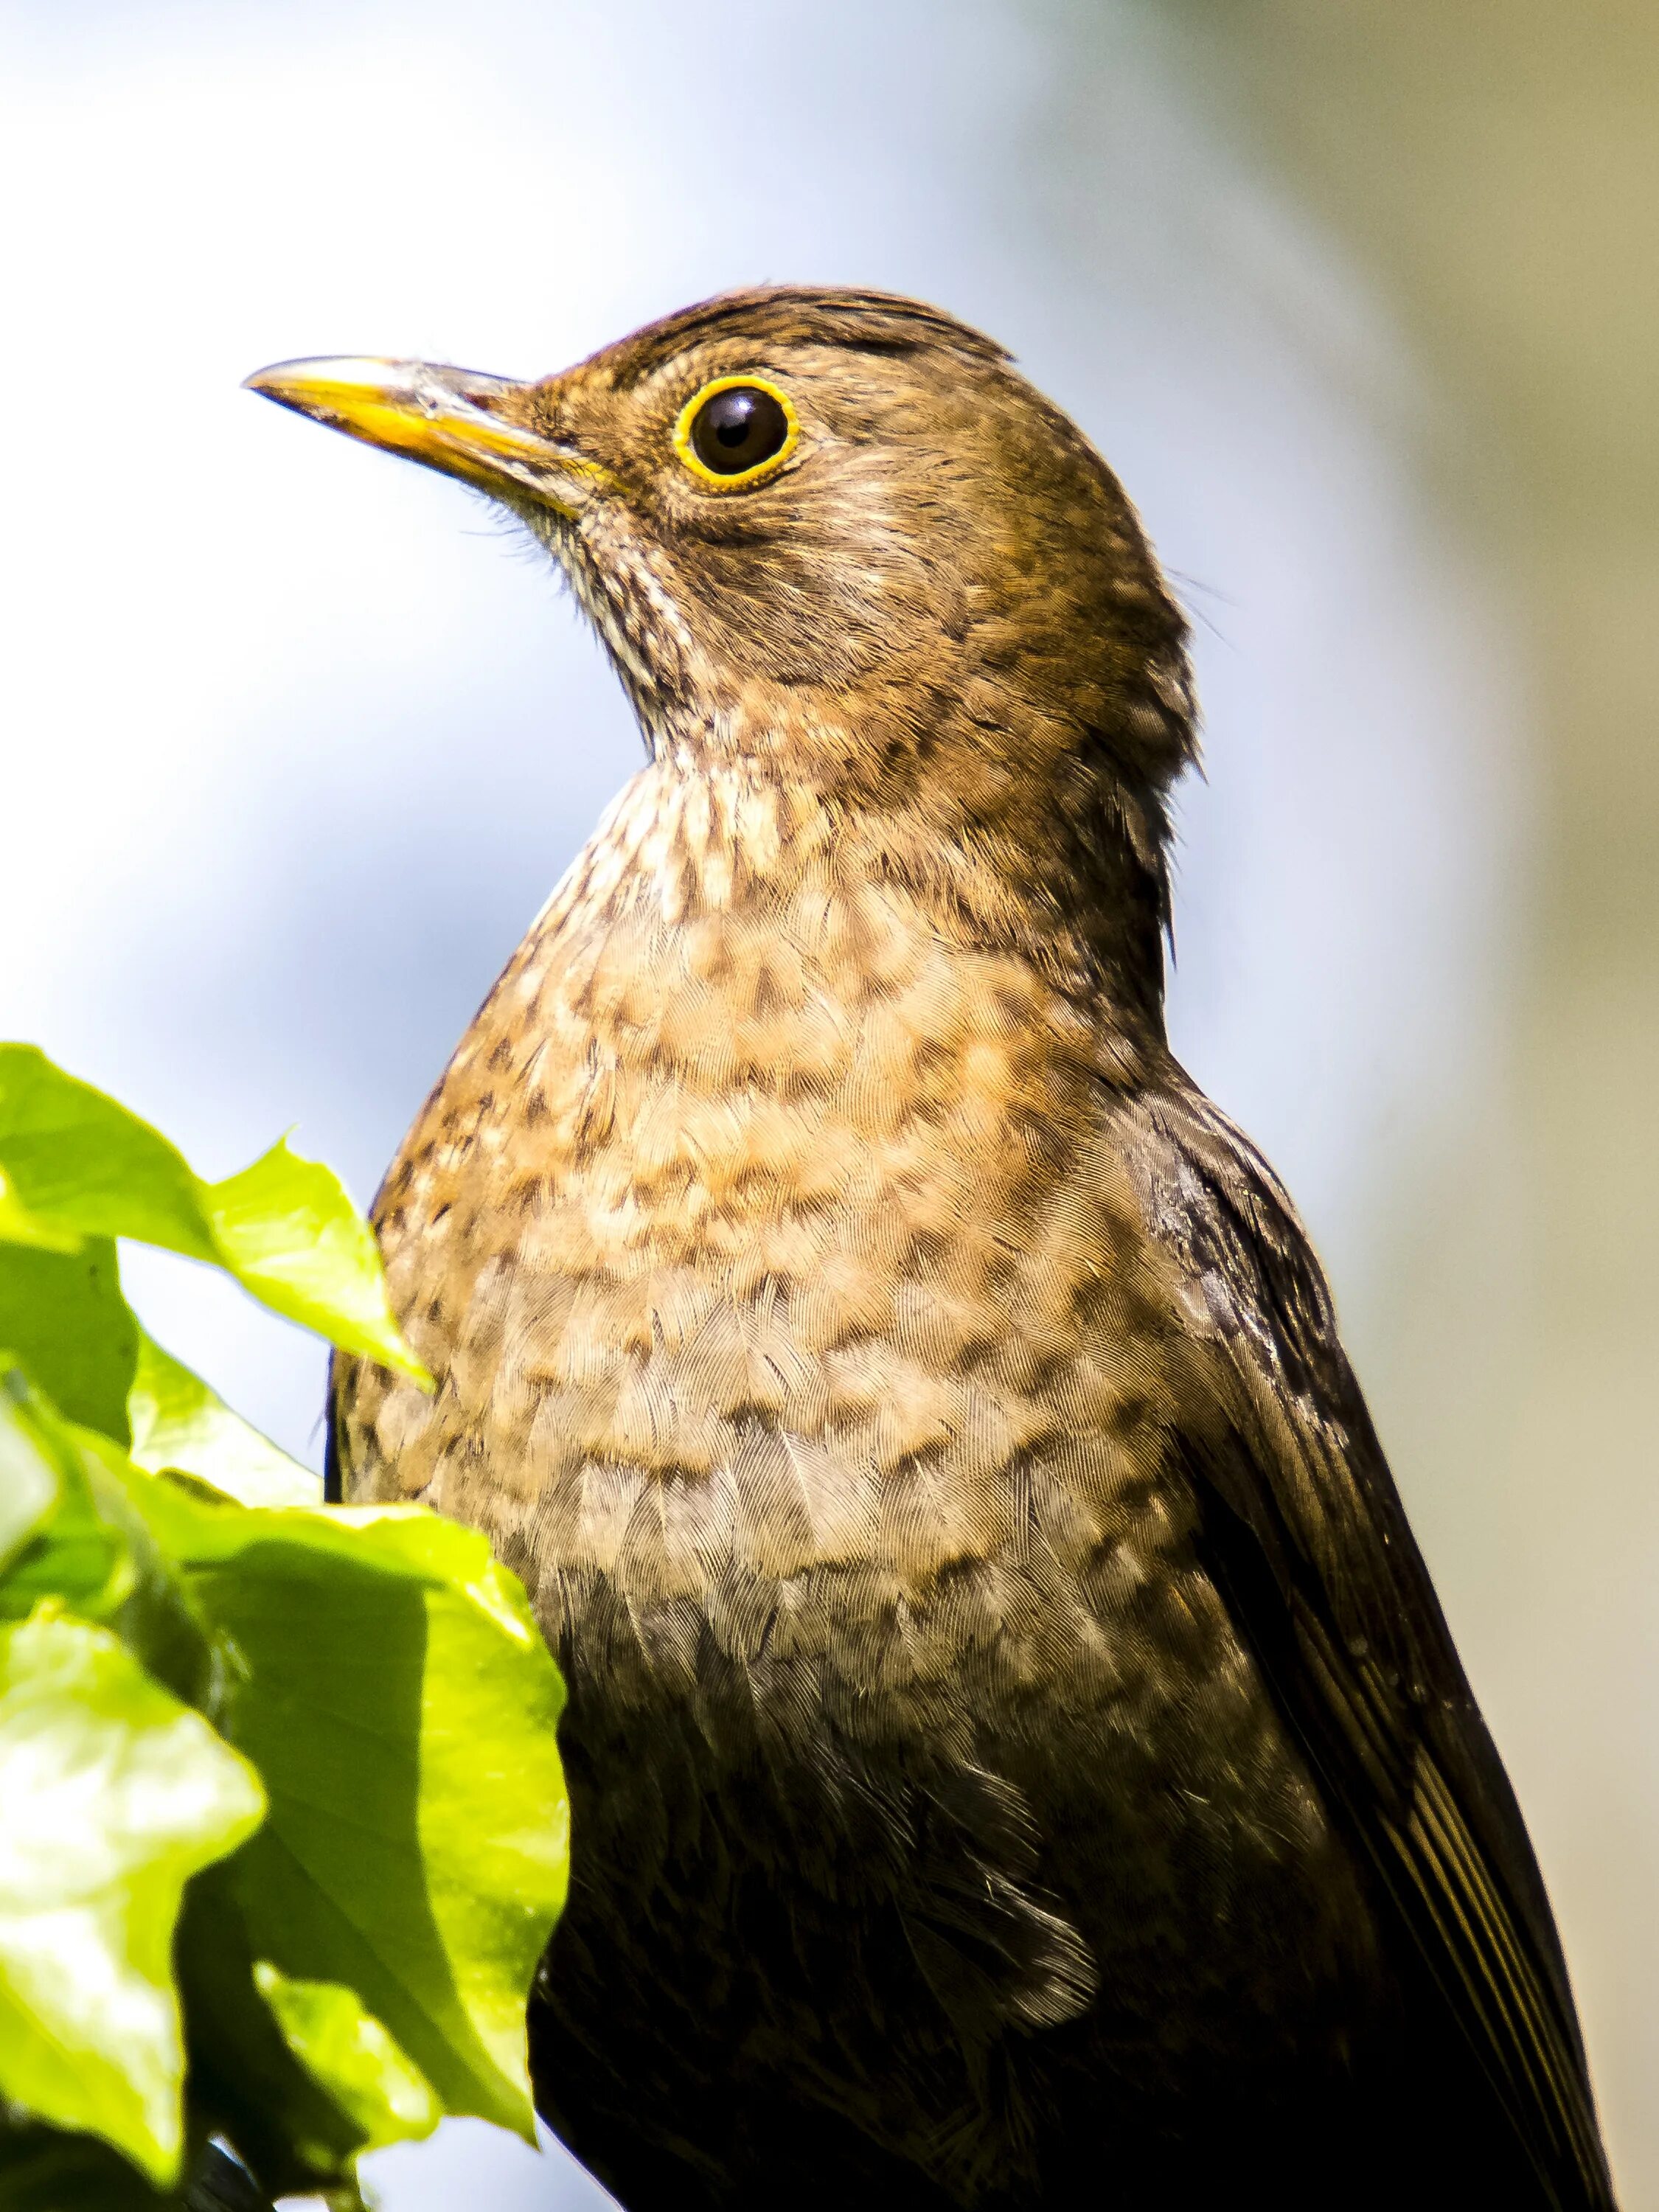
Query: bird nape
{"x": 1017, "y": 1755}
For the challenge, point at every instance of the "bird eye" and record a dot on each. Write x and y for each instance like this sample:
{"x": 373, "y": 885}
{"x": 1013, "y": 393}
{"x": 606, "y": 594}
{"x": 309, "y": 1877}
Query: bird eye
{"x": 736, "y": 429}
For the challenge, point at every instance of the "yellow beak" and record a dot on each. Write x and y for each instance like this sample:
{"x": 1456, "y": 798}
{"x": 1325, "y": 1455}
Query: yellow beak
{"x": 449, "y": 418}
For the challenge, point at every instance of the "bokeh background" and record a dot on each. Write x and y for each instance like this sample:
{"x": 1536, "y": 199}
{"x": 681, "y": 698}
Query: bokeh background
{"x": 1358, "y": 296}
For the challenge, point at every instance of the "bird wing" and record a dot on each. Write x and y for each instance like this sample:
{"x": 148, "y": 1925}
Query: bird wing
{"x": 334, "y": 1459}
{"x": 1306, "y": 1536}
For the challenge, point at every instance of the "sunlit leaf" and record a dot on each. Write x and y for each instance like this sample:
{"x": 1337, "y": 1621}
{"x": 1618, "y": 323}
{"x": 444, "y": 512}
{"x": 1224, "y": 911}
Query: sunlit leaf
{"x": 29, "y": 1479}
{"x": 70, "y": 1550}
{"x": 362, "y": 1962}
{"x": 178, "y": 1421}
{"x": 246, "y": 2081}
{"x": 292, "y": 1236}
{"x": 352, "y": 2056}
{"x": 399, "y": 1701}
{"x": 77, "y": 1163}
{"x": 19, "y": 1226}
{"x": 112, "y": 1794}
{"x": 78, "y": 1160}
{"x": 63, "y": 1316}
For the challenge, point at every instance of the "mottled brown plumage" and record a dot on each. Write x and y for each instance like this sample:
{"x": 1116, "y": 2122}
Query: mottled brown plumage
{"x": 1017, "y": 1755}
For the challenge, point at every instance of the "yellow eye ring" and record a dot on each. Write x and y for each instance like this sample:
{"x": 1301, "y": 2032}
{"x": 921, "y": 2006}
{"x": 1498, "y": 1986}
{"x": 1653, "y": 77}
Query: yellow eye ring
{"x": 772, "y": 423}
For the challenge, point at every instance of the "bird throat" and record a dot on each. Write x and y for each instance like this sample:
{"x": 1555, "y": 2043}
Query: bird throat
{"x": 745, "y": 824}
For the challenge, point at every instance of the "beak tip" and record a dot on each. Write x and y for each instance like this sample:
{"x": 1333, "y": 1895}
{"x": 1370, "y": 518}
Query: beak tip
{"x": 276, "y": 382}
{"x": 293, "y": 382}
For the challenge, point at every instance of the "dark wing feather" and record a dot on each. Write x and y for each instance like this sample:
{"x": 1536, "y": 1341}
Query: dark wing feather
{"x": 1309, "y": 1541}
{"x": 333, "y": 1456}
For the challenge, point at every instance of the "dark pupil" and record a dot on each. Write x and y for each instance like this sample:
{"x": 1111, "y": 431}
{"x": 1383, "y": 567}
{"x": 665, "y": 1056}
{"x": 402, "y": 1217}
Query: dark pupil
{"x": 739, "y": 430}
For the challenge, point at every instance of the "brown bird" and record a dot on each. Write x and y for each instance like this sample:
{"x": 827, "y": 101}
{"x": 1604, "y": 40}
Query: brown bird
{"x": 1018, "y": 1756}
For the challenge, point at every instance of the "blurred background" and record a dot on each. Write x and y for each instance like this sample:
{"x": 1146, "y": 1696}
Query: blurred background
{"x": 1360, "y": 301}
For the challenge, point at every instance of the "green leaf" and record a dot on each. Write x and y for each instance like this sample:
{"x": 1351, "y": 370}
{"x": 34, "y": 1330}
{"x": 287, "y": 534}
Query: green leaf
{"x": 78, "y": 1164}
{"x": 71, "y": 1551}
{"x": 398, "y": 1698}
{"x": 92, "y": 1550}
{"x": 62, "y": 1314}
{"x": 112, "y": 1796}
{"x": 177, "y": 1421}
{"x": 79, "y": 1161}
{"x": 352, "y": 2056}
{"x": 291, "y": 1235}
{"x": 19, "y": 1226}
{"x": 246, "y": 2081}
{"x": 29, "y": 1481}
{"x": 154, "y": 1618}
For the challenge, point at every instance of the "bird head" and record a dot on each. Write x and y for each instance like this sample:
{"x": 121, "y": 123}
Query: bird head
{"x": 833, "y": 537}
